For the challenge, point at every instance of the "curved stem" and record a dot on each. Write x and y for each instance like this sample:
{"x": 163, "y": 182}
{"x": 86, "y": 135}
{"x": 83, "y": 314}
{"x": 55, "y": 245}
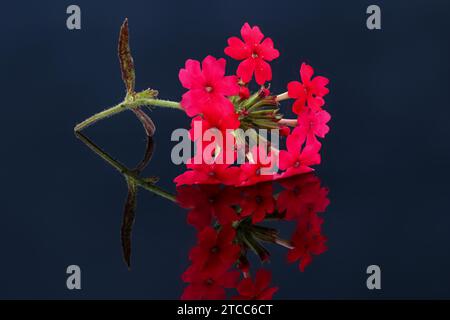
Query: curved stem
{"x": 124, "y": 105}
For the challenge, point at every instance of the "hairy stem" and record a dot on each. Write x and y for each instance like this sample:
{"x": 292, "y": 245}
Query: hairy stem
{"x": 125, "y": 105}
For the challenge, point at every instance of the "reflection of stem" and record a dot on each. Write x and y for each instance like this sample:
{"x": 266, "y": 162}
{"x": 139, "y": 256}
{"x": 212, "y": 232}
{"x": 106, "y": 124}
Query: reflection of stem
{"x": 129, "y": 174}
{"x": 124, "y": 106}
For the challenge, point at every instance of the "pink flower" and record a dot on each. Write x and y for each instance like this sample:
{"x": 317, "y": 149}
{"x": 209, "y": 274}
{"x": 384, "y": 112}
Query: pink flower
{"x": 208, "y": 174}
{"x": 309, "y": 92}
{"x": 260, "y": 168}
{"x": 297, "y": 160}
{"x": 310, "y": 125}
{"x": 208, "y": 88}
{"x": 254, "y": 54}
{"x": 257, "y": 290}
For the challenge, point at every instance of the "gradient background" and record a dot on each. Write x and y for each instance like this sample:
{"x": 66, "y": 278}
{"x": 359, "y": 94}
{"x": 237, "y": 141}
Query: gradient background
{"x": 386, "y": 159}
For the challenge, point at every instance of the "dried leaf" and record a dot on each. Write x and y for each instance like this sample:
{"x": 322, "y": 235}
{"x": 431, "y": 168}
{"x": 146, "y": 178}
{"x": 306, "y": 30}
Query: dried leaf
{"x": 146, "y": 121}
{"x": 128, "y": 221}
{"x": 125, "y": 58}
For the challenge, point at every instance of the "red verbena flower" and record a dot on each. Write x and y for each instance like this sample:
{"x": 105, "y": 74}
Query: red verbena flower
{"x": 208, "y": 88}
{"x": 297, "y": 160}
{"x": 309, "y": 92}
{"x": 254, "y": 54}
{"x": 261, "y": 167}
{"x": 215, "y": 251}
{"x": 310, "y": 125}
{"x": 258, "y": 289}
{"x": 205, "y": 173}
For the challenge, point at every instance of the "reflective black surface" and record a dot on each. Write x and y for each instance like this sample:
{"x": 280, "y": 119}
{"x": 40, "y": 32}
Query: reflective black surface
{"x": 385, "y": 160}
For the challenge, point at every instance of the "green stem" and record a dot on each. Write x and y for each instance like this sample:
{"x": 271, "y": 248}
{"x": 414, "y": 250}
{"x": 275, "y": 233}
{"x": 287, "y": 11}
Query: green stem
{"x": 125, "y": 105}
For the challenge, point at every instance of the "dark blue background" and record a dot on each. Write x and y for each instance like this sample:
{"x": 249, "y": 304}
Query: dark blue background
{"x": 386, "y": 159}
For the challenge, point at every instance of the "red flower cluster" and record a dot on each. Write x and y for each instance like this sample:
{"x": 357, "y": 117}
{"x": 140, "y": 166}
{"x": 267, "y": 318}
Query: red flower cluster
{"x": 225, "y": 102}
{"x": 235, "y": 212}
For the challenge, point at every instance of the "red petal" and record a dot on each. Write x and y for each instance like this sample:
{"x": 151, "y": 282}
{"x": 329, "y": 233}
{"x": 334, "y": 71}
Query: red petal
{"x": 263, "y": 72}
{"x": 245, "y": 69}
{"x": 237, "y": 49}
{"x": 246, "y": 288}
{"x": 190, "y": 76}
{"x": 318, "y": 86}
{"x": 267, "y": 52}
{"x": 262, "y": 280}
{"x": 251, "y": 35}
{"x": 306, "y": 72}
{"x": 296, "y": 90}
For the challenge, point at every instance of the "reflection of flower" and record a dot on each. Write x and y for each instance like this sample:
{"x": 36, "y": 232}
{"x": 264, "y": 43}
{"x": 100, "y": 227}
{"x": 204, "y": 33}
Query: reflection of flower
{"x": 258, "y": 289}
{"x": 307, "y": 241}
{"x": 302, "y": 196}
{"x": 206, "y": 202}
{"x": 222, "y": 250}
{"x": 257, "y": 201}
{"x": 215, "y": 251}
{"x": 208, "y": 286}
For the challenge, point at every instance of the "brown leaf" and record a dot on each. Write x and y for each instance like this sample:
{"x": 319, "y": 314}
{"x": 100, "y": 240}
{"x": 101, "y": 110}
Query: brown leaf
{"x": 128, "y": 221}
{"x": 146, "y": 121}
{"x": 125, "y": 58}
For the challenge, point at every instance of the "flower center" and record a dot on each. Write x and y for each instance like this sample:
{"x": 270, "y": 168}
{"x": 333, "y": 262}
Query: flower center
{"x": 258, "y": 199}
{"x": 208, "y": 89}
{"x": 211, "y": 173}
{"x": 254, "y": 55}
{"x": 215, "y": 249}
{"x": 209, "y": 282}
{"x": 258, "y": 171}
{"x": 296, "y": 164}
